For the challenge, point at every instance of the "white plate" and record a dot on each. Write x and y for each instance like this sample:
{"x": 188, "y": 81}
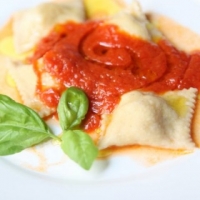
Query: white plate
{"x": 119, "y": 177}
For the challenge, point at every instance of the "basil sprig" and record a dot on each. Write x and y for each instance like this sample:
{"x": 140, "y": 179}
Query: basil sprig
{"x": 77, "y": 144}
{"x": 72, "y": 108}
{"x": 21, "y": 127}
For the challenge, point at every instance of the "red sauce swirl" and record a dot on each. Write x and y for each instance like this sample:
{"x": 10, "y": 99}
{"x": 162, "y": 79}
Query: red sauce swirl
{"x": 106, "y": 63}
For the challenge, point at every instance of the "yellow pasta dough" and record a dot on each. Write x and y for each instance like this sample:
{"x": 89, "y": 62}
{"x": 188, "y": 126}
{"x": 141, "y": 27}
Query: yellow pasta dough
{"x": 7, "y": 85}
{"x": 38, "y": 21}
{"x": 26, "y": 81}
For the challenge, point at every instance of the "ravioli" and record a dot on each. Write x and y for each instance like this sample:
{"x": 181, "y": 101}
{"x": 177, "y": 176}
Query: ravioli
{"x": 26, "y": 81}
{"x": 143, "y": 118}
{"x": 180, "y": 36}
{"x": 130, "y": 24}
{"x": 128, "y": 16}
{"x": 38, "y": 21}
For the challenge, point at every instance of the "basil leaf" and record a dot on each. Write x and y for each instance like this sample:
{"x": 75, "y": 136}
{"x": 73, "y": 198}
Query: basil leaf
{"x": 79, "y": 147}
{"x": 20, "y": 127}
{"x": 72, "y": 108}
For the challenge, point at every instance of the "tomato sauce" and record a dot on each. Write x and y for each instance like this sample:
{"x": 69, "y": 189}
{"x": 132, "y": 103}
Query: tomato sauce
{"x": 191, "y": 77}
{"x": 177, "y": 63}
{"x": 106, "y": 63}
